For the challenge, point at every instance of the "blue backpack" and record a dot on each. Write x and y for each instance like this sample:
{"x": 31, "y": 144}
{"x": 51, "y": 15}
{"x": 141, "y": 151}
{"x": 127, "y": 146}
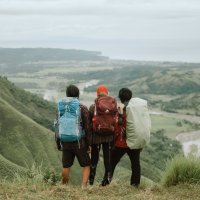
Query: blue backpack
{"x": 69, "y": 120}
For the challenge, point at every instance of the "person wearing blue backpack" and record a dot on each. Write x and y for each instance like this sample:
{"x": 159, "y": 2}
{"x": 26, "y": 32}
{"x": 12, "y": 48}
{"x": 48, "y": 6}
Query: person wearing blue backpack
{"x": 73, "y": 134}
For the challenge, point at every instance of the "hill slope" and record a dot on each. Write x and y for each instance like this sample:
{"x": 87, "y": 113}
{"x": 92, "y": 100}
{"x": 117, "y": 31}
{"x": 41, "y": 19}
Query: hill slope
{"x": 23, "y": 141}
{"x": 41, "y": 111}
{"x": 8, "y": 168}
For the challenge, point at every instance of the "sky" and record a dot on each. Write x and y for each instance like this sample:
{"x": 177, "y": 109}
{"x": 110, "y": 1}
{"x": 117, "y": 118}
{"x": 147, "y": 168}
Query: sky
{"x": 156, "y": 30}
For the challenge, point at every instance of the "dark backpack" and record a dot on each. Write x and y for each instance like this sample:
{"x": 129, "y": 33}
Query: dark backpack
{"x": 105, "y": 115}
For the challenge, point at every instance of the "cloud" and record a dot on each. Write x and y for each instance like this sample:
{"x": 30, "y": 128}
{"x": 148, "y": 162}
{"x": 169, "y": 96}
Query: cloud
{"x": 125, "y": 8}
{"x": 107, "y": 25}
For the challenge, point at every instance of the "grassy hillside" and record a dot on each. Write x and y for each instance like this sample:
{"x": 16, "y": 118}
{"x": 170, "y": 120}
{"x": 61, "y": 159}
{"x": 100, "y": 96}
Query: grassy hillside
{"x": 149, "y": 79}
{"x": 24, "y": 142}
{"x": 41, "y": 111}
{"x": 188, "y": 103}
{"x": 8, "y": 169}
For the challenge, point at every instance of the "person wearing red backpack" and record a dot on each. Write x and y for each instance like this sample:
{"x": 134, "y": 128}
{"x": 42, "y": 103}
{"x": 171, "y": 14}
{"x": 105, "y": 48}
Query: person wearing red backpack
{"x": 103, "y": 115}
{"x": 120, "y": 145}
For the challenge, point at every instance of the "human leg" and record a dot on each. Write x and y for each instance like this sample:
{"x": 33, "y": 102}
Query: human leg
{"x": 107, "y": 163}
{"x": 65, "y": 175}
{"x": 95, "y": 149}
{"x": 67, "y": 161}
{"x": 84, "y": 161}
{"x": 134, "y": 155}
{"x": 116, "y": 154}
{"x": 85, "y": 175}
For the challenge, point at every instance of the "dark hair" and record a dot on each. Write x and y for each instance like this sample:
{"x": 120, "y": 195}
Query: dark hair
{"x": 125, "y": 94}
{"x": 72, "y": 91}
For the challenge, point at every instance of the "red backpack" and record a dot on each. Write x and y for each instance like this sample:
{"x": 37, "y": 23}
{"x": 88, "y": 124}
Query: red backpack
{"x": 120, "y": 139}
{"x": 105, "y": 115}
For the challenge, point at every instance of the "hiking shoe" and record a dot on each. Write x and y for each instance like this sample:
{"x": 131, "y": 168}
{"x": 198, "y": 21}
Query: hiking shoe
{"x": 135, "y": 185}
{"x": 91, "y": 179}
{"x": 105, "y": 182}
{"x": 92, "y": 174}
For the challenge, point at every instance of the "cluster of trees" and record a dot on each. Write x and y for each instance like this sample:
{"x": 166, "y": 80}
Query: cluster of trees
{"x": 160, "y": 149}
{"x": 186, "y": 102}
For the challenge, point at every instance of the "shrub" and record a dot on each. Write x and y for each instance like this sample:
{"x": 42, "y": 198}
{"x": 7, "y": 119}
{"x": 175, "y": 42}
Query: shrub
{"x": 50, "y": 176}
{"x": 182, "y": 170}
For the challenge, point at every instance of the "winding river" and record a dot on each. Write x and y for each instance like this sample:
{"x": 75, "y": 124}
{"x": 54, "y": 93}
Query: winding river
{"x": 189, "y": 140}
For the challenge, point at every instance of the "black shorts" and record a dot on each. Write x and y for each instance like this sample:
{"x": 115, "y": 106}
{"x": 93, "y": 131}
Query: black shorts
{"x": 81, "y": 154}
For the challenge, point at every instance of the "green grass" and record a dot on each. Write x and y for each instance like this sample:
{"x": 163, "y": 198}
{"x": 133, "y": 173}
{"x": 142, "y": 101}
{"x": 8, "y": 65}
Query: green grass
{"x": 23, "y": 141}
{"x": 8, "y": 169}
{"x": 41, "y": 111}
{"x": 170, "y": 125}
{"x": 182, "y": 170}
{"x": 116, "y": 191}
{"x": 38, "y": 185}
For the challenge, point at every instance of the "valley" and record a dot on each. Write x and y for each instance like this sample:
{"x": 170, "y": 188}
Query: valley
{"x": 171, "y": 89}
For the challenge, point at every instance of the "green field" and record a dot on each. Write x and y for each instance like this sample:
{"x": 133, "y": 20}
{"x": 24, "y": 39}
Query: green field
{"x": 171, "y": 126}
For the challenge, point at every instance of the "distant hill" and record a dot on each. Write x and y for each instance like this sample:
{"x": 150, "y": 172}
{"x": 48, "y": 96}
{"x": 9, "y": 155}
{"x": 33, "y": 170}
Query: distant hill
{"x": 170, "y": 88}
{"x": 190, "y": 103}
{"x": 23, "y": 59}
{"x": 150, "y": 79}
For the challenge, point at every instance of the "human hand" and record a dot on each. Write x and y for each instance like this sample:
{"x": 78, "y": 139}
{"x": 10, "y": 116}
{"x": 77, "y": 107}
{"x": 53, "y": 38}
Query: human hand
{"x": 89, "y": 149}
{"x": 120, "y": 108}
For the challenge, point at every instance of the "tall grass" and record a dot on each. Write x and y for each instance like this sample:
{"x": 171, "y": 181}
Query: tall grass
{"x": 181, "y": 170}
{"x": 37, "y": 174}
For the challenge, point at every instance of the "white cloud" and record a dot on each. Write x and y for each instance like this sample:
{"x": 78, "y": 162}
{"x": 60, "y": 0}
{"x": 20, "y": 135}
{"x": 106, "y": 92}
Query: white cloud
{"x": 102, "y": 24}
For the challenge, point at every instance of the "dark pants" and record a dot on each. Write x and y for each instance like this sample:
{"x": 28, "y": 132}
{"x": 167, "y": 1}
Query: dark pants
{"x": 134, "y": 155}
{"x": 106, "y": 157}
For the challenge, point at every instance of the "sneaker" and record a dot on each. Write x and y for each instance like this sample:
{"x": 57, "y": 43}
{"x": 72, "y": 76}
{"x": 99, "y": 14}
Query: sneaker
{"x": 105, "y": 182}
{"x": 92, "y": 175}
{"x": 91, "y": 179}
{"x": 135, "y": 185}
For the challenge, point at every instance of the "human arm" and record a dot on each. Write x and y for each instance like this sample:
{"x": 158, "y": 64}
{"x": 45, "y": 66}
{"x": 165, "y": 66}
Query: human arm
{"x": 86, "y": 123}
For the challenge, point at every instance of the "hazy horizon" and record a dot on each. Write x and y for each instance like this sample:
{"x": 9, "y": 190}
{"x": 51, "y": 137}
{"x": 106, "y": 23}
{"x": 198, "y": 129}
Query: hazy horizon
{"x": 133, "y": 29}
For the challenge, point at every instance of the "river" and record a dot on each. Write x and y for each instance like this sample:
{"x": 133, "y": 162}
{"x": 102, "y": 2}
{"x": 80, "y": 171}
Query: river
{"x": 189, "y": 140}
